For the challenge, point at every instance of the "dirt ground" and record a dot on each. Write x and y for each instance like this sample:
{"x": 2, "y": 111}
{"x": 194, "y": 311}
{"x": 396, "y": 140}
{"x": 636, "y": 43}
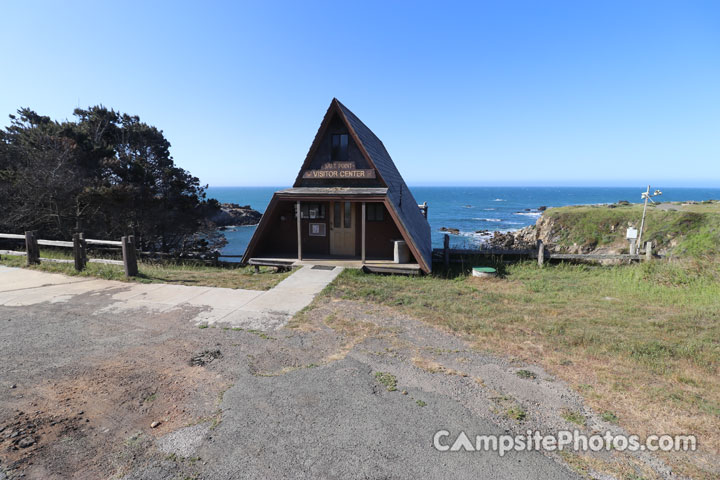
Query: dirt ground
{"x": 85, "y": 393}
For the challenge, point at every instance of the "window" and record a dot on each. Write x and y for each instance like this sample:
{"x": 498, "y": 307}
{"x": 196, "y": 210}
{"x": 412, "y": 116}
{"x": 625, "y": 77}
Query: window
{"x": 348, "y": 214}
{"x": 375, "y": 212}
{"x": 312, "y": 210}
{"x": 337, "y": 215}
{"x": 340, "y": 147}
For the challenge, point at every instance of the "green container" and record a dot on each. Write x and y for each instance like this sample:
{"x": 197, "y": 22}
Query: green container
{"x": 484, "y": 272}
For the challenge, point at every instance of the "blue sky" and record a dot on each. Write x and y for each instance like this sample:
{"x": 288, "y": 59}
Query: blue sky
{"x": 478, "y": 93}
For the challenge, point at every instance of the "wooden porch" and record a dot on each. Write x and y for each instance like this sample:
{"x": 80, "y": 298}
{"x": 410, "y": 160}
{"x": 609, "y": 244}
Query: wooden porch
{"x": 369, "y": 265}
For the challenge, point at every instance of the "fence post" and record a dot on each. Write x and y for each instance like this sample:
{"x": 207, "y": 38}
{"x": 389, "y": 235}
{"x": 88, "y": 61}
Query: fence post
{"x": 129, "y": 256}
{"x": 648, "y": 251}
{"x": 84, "y": 248}
{"x": 541, "y": 253}
{"x": 446, "y": 250}
{"x": 79, "y": 251}
{"x": 32, "y": 249}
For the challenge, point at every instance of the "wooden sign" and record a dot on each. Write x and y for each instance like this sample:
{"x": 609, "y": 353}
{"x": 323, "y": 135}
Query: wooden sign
{"x": 336, "y": 170}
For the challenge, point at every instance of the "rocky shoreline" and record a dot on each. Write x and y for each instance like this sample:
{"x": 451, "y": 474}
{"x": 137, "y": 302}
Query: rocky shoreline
{"x": 525, "y": 237}
{"x": 545, "y": 229}
{"x": 232, "y": 214}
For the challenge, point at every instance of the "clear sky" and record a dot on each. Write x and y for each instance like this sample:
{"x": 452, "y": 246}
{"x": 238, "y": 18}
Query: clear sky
{"x": 477, "y": 93}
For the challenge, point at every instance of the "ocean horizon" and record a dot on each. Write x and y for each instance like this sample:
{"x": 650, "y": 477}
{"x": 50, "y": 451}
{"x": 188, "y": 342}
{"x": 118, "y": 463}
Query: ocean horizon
{"x": 471, "y": 209}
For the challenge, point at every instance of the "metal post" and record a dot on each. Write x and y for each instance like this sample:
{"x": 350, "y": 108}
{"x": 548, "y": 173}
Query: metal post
{"x": 363, "y": 234}
{"x": 299, "y": 231}
{"x": 642, "y": 222}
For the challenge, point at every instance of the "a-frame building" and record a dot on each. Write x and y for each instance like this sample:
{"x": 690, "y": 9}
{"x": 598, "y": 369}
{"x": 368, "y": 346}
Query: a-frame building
{"x": 349, "y": 203}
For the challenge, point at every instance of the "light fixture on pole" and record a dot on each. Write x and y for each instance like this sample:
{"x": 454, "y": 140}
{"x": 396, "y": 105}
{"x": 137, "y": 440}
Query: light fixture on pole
{"x": 646, "y": 196}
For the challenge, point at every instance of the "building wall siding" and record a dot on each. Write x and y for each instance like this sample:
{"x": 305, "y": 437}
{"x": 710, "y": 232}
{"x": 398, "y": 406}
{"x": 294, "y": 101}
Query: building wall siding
{"x": 323, "y": 155}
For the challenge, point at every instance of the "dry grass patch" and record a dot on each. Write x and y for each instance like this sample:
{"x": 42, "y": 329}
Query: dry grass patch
{"x": 432, "y": 366}
{"x": 621, "y": 467}
{"x": 192, "y": 274}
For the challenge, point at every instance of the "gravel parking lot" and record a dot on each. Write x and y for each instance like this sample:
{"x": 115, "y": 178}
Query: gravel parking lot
{"x": 144, "y": 393}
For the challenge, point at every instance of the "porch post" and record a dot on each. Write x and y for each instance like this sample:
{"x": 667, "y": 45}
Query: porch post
{"x": 299, "y": 230}
{"x": 363, "y": 233}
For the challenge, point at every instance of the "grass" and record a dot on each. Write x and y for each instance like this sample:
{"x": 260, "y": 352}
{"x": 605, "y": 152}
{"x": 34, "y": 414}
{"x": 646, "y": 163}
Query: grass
{"x": 609, "y": 417}
{"x": 574, "y": 417}
{"x": 388, "y": 380}
{"x": 516, "y": 413}
{"x": 527, "y": 374}
{"x": 192, "y": 274}
{"x": 692, "y": 230}
{"x": 639, "y": 340}
{"x": 261, "y": 334}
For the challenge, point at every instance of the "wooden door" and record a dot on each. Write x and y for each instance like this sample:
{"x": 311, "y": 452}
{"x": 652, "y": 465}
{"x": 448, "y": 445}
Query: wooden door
{"x": 342, "y": 229}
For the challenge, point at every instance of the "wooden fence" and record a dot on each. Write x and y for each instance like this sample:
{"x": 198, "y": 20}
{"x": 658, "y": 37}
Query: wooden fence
{"x": 540, "y": 253}
{"x": 79, "y": 245}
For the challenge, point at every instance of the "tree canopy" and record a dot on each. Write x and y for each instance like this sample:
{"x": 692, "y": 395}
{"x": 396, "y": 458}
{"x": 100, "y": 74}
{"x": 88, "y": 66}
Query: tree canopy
{"x": 106, "y": 174}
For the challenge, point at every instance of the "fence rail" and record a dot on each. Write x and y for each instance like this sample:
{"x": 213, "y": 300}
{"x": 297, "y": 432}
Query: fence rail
{"x": 541, "y": 253}
{"x": 79, "y": 245}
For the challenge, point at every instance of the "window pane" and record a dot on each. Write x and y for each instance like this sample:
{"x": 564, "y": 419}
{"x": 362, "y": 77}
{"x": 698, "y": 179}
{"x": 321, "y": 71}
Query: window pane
{"x": 343, "y": 148}
{"x": 348, "y": 214}
{"x": 337, "y": 222}
{"x": 379, "y": 211}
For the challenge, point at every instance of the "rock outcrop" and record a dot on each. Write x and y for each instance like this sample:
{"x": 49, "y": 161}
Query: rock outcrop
{"x": 550, "y": 232}
{"x": 234, "y": 214}
{"x": 520, "y": 239}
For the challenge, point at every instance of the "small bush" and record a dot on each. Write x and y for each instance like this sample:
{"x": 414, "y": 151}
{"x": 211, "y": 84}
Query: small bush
{"x": 387, "y": 379}
{"x": 574, "y": 417}
{"x": 609, "y": 417}
{"x": 526, "y": 374}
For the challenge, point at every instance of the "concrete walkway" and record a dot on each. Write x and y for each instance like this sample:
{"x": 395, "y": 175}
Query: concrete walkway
{"x": 252, "y": 309}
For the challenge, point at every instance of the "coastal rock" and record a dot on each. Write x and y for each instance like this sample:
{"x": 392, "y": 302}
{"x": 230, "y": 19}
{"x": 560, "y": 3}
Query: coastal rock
{"x": 502, "y": 240}
{"x": 453, "y": 231}
{"x": 234, "y": 214}
{"x": 519, "y": 239}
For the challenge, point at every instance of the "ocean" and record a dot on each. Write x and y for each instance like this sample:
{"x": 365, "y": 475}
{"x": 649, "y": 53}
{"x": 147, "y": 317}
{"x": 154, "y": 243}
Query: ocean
{"x": 470, "y": 209}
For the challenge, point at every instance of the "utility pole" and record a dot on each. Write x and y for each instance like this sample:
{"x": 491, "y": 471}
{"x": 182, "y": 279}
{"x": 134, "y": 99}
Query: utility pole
{"x": 645, "y": 195}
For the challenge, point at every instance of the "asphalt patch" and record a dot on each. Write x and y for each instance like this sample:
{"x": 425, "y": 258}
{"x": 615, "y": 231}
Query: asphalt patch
{"x": 203, "y": 358}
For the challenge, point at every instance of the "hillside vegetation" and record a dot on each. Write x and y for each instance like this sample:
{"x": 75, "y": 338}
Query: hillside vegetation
{"x": 678, "y": 229}
{"x": 106, "y": 174}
